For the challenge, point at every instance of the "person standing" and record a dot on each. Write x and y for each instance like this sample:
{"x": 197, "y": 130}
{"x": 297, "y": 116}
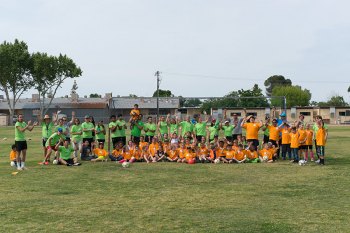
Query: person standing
{"x": 100, "y": 132}
{"x": 200, "y": 128}
{"x": 136, "y": 130}
{"x": 87, "y": 128}
{"x": 47, "y": 127}
{"x": 76, "y": 131}
{"x": 236, "y": 123}
{"x": 150, "y": 129}
{"x": 120, "y": 130}
{"x": 20, "y": 140}
{"x": 186, "y": 126}
{"x": 252, "y": 129}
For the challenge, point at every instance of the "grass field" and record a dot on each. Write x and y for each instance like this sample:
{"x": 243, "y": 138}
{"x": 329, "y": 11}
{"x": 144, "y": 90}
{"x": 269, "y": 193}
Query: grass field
{"x": 164, "y": 197}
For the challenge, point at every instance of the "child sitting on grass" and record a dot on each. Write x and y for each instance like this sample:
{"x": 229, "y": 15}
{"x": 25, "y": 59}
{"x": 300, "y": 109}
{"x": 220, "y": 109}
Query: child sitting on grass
{"x": 252, "y": 154}
{"x": 266, "y": 155}
{"x": 100, "y": 152}
{"x": 13, "y": 156}
{"x": 172, "y": 154}
{"x": 240, "y": 156}
{"x": 117, "y": 153}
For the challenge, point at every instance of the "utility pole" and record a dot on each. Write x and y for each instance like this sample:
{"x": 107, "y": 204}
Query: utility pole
{"x": 157, "y": 74}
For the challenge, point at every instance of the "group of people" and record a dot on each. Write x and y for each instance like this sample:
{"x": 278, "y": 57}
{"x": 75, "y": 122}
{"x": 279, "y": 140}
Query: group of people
{"x": 172, "y": 139}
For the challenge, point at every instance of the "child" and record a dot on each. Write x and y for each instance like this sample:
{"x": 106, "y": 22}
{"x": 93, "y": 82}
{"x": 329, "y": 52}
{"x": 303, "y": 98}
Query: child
{"x": 240, "y": 156}
{"x": 251, "y": 154}
{"x": 135, "y": 114}
{"x": 309, "y": 137}
{"x": 285, "y": 143}
{"x": 127, "y": 154}
{"x": 142, "y": 142}
{"x": 136, "y": 156}
{"x": 229, "y": 154}
{"x": 161, "y": 153}
{"x": 265, "y": 155}
{"x": 294, "y": 145}
{"x": 13, "y": 155}
{"x": 220, "y": 151}
{"x": 100, "y": 152}
{"x": 117, "y": 153}
{"x": 172, "y": 154}
{"x": 302, "y": 141}
{"x": 65, "y": 153}
{"x": 202, "y": 153}
{"x": 211, "y": 156}
{"x": 85, "y": 151}
{"x": 181, "y": 153}
{"x": 321, "y": 139}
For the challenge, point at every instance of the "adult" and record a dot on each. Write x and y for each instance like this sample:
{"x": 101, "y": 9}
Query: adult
{"x": 65, "y": 124}
{"x": 88, "y": 128}
{"x": 100, "y": 132}
{"x": 20, "y": 140}
{"x": 163, "y": 126}
{"x": 136, "y": 130}
{"x": 76, "y": 132}
{"x": 173, "y": 126}
{"x": 200, "y": 128}
{"x": 213, "y": 130}
{"x": 186, "y": 126}
{"x": 150, "y": 129}
{"x": 228, "y": 130}
{"x": 252, "y": 129}
{"x": 47, "y": 127}
{"x": 121, "y": 127}
{"x": 237, "y": 131}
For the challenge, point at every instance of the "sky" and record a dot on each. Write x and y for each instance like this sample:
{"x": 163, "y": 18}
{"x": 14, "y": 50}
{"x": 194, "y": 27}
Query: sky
{"x": 201, "y": 47}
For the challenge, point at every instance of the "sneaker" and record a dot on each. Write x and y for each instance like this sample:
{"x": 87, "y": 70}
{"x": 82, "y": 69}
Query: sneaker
{"x": 24, "y": 168}
{"x": 317, "y": 161}
{"x": 77, "y": 164}
{"x": 19, "y": 169}
{"x": 69, "y": 165}
{"x": 312, "y": 160}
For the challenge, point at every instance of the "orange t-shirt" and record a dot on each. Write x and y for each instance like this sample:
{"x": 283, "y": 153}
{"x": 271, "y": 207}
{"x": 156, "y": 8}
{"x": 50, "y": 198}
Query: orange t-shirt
{"x": 220, "y": 152}
{"x": 230, "y": 154}
{"x": 265, "y": 152}
{"x": 13, "y": 155}
{"x": 274, "y": 132}
{"x": 251, "y": 154}
{"x": 302, "y": 136}
{"x": 135, "y": 113}
{"x": 182, "y": 152}
{"x": 172, "y": 154}
{"x": 239, "y": 155}
{"x": 100, "y": 152}
{"x": 252, "y": 130}
{"x": 142, "y": 145}
{"x": 294, "y": 140}
{"x": 153, "y": 148}
{"x": 321, "y": 137}
{"x": 117, "y": 152}
{"x": 127, "y": 155}
{"x": 309, "y": 136}
{"x": 203, "y": 151}
{"x": 137, "y": 154}
{"x": 285, "y": 136}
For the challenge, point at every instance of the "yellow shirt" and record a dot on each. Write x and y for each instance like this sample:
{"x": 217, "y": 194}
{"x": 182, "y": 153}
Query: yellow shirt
{"x": 302, "y": 136}
{"x": 309, "y": 136}
{"x": 172, "y": 154}
{"x": 252, "y": 130}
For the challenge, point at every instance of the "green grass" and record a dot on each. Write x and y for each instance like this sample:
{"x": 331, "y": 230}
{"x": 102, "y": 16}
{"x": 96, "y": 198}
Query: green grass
{"x": 164, "y": 197}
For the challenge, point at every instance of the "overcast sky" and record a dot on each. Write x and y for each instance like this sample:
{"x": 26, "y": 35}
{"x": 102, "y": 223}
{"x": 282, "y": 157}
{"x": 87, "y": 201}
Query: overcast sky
{"x": 202, "y": 47}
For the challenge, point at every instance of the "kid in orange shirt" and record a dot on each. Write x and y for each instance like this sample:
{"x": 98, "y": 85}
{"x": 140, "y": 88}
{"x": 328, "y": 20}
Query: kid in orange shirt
{"x": 252, "y": 154}
{"x": 181, "y": 153}
{"x": 100, "y": 152}
{"x": 202, "y": 152}
{"x": 266, "y": 155}
{"x": 321, "y": 139}
{"x": 135, "y": 114}
{"x": 172, "y": 154}
{"x": 294, "y": 145}
{"x": 13, "y": 156}
{"x": 240, "y": 156}
{"x": 309, "y": 137}
{"x": 229, "y": 154}
{"x": 117, "y": 153}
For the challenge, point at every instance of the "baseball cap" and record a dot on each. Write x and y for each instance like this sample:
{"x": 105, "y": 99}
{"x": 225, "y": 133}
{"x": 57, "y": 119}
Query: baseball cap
{"x": 283, "y": 114}
{"x": 60, "y": 130}
{"x": 47, "y": 117}
{"x": 87, "y": 116}
{"x": 227, "y": 122}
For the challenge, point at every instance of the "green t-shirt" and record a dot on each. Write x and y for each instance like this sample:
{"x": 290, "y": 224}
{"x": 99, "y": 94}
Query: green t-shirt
{"x": 64, "y": 128}
{"x": 54, "y": 139}
{"x": 228, "y": 130}
{"x": 150, "y": 126}
{"x": 136, "y": 132}
{"x": 89, "y": 126}
{"x": 200, "y": 128}
{"x": 213, "y": 130}
{"x": 65, "y": 153}
{"x": 163, "y": 128}
{"x": 99, "y": 133}
{"x": 174, "y": 128}
{"x": 267, "y": 132}
{"x": 76, "y": 129}
{"x": 111, "y": 125}
{"x": 186, "y": 127}
{"x": 20, "y": 136}
{"x": 120, "y": 132}
{"x": 46, "y": 130}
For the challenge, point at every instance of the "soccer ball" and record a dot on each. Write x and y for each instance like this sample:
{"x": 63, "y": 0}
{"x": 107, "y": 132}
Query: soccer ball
{"x": 55, "y": 162}
{"x": 217, "y": 161}
{"x": 13, "y": 164}
{"x": 126, "y": 164}
{"x": 302, "y": 162}
{"x": 265, "y": 158}
{"x": 191, "y": 161}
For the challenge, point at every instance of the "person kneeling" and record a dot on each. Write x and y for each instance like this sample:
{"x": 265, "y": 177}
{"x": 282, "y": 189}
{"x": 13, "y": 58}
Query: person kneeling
{"x": 65, "y": 153}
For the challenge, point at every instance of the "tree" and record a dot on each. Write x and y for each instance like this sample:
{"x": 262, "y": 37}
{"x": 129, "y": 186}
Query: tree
{"x": 274, "y": 81}
{"x": 163, "y": 93}
{"x": 295, "y": 96}
{"x": 95, "y": 95}
{"x": 334, "y": 101}
{"x": 192, "y": 103}
{"x": 15, "y": 78}
{"x": 49, "y": 73}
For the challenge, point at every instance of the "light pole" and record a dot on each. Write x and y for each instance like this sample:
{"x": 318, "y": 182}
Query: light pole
{"x": 157, "y": 74}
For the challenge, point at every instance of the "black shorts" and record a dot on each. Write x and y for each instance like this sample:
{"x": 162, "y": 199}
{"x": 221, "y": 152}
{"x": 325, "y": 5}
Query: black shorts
{"x": 70, "y": 161}
{"x": 229, "y": 138}
{"x": 135, "y": 139}
{"x": 21, "y": 145}
{"x": 309, "y": 147}
{"x": 199, "y": 138}
{"x": 273, "y": 142}
{"x": 266, "y": 138}
{"x": 90, "y": 140}
{"x": 255, "y": 142}
{"x": 116, "y": 140}
{"x": 44, "y": 142}
{"x": 149, "y": 138}
{"x": 303, "y": 147}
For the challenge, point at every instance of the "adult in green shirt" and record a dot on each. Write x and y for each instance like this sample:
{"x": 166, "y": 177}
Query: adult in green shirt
{"x": 186, "y": 126}
{"x": 228, "y": 130}
{"x": 136, "y": 130}
{"x": 65, "y": 153}
{"x": 200, "y": 128}
{"x": 87, "y": 127}
{"x": 162, "y": 127}
{"x": 47, "y": 128}
{"x": 213, "y": 129}
{"x": 100, "y": 132}
{"x": 76, "y": 132}
{"x": 150, "y": 129}
{"x": 20, "y": 140}
{"x": 173, "y": 126}
{"x": 121, "y": 127}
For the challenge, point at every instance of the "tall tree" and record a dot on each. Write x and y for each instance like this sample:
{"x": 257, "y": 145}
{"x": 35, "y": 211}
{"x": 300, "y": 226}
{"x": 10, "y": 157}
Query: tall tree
{"x": 295, "y": 96}
{"x": 163, "y": 93}
{"x": 334, "y": 101}
{"x": 95, "y": 95}
{"x": 15, "y": 78}
{"x": 49, "y": 73}
{"x": 274, "y": 81}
